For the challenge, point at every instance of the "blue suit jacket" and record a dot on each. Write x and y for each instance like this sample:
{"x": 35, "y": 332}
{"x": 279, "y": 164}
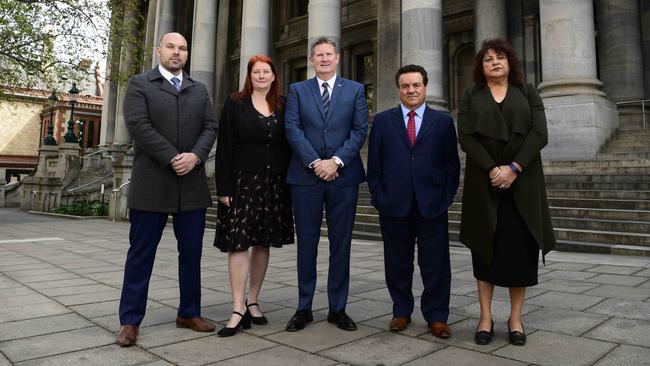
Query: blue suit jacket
{"x": 314, "y": 135}
{"x": 430, "y": 169}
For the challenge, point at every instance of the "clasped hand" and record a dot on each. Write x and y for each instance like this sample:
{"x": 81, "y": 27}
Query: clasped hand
{"x": 183, "y": 163}
{"x": 502, "y": 177}
{"x": 326, "y": 169}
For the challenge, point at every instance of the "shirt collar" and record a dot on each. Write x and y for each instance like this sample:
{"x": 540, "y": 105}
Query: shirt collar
{"x": 329, "y": 82}
{"x": 168, "y": 75}
{"x": 419, "y": 111}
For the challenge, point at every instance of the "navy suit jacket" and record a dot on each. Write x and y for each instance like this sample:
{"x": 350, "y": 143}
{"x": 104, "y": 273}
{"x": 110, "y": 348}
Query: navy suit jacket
{"x": 430, "y": 169}
{"x": 313, "y": 135}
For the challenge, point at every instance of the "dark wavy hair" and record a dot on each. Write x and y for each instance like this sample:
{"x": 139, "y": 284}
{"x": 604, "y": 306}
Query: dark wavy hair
{"x": 498, "y": 45}
{"x": 273, "y": 97}
{"x": 411, "y": 68}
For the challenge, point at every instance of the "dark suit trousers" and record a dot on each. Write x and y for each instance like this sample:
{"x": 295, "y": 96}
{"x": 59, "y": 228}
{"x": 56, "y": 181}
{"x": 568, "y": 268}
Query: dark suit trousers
{"x": 400, "y": 235}
{"x": 144, "y": 236}
{"x": 340, "y": 207}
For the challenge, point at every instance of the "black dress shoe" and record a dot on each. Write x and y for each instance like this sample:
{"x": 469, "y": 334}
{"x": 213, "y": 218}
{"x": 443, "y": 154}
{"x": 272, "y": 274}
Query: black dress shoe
{"x": 259, "y": 320}
{"x": 244, "y": 323}
{"x": 342, "y": 320}
{"x": 299, "y": 320}
{"x": 484, "y": 337}
{"x": 516, "y": 337}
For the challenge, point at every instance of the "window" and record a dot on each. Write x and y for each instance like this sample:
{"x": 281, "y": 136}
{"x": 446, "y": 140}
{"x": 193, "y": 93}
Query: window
{"x": 298, "y": 8}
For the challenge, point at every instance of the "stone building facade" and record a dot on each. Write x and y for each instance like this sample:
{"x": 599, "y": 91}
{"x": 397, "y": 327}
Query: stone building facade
{"x": 583, "y": 55}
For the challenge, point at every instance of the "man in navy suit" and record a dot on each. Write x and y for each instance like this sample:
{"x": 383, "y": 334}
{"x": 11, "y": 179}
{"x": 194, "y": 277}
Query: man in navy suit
{"x": 326, "y": 121}
{"x": 413, "y": 175}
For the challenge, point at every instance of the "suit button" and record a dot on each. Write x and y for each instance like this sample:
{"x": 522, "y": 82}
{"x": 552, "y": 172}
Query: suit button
{"x": 412, "y": 157}
{"x": 325, "y": 132}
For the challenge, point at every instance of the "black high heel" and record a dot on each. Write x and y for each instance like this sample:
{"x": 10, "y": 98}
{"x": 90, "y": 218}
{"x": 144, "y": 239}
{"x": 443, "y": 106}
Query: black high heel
{"x": 259, "y": 320}
{"x": 244, "y": 323}
{"x": 516, "y": 337}
{"x": 484, "y": 337}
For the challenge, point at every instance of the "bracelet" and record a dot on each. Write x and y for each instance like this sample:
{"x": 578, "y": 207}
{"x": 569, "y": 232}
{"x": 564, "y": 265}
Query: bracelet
{"x": 514, "y": 168}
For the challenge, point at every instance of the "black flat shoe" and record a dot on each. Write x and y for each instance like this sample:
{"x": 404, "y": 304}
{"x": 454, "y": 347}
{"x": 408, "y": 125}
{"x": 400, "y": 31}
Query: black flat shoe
{"x": 516, "y": 337}
{"x": 342, "y": 320}
{"x": 299, "y": 320}
{"x": 259, "y": 320}
{"x": 484, "y": 337}
{"x": 244, "y": 323}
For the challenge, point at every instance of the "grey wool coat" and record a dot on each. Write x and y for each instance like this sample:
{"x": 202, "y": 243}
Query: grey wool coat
{"x": 164, "y": 122}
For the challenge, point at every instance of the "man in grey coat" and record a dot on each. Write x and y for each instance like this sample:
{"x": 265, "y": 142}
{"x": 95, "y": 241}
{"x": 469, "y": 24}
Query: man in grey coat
{"x": 170, "y": 119}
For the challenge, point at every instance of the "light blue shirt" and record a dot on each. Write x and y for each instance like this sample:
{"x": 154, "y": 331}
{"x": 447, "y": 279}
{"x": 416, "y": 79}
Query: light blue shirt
{"x": 419, "y": 113}
{"x": 168, "y": 75}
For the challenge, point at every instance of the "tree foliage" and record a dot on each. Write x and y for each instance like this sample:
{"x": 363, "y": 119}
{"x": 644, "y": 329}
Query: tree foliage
{"x": 50, "y": 43}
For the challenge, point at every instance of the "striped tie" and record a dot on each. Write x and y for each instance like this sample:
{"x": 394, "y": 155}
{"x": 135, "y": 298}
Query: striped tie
{"x": 325, "y": 98}
{"x": 177, "y": 83}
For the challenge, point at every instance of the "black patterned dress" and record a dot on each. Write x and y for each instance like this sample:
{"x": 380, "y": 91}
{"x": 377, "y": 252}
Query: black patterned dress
{"x": 261, "y": 211}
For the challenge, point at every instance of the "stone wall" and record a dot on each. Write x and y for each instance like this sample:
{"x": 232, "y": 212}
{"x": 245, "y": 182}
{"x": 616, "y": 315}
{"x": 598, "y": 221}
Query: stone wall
{"x": 20, "y": 124}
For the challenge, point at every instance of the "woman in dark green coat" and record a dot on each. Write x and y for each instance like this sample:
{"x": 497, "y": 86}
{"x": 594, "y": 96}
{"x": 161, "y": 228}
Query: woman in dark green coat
{"x": 505, "y": 219}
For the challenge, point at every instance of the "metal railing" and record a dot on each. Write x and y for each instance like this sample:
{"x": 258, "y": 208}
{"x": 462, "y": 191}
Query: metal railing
{"x": 643, "y": 104}
{"x": 71, "y": 190}
{"x": 115, "y": 195}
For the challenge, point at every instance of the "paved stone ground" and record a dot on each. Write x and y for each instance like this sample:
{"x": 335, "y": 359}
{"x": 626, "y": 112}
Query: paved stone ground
{"x": 60, "y": 285}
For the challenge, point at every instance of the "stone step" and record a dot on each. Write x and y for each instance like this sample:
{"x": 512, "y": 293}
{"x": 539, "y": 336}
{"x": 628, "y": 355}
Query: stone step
{"x": 626, "y": 150}
{"x": 628, "y": 141}
{"x": 594, "y": 170}
{"x": 597, "y": 178}
{"x": 596, "y": 163}
{"x": 598, "y": 194}
{"x": 622, "y": 155}
{"x": 602, "y": 225}
{"x": 602, "y": 248}
{"x": 599, "y": 203}
{"x": 632, "y": 133}
{"x": 604, "y": 186}
{"x": 598, "y": 236}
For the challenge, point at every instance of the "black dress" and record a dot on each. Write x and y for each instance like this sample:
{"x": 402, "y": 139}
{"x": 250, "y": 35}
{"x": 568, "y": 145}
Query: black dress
{"x": 251, "y": 164}
{"x": 516, "y": 253}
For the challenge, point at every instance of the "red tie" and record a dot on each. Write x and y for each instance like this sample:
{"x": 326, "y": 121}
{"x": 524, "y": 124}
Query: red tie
{"x": 410, "y": 127}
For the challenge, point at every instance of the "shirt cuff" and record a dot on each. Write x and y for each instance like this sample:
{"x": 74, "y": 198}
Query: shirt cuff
{"x": 311, "y": 165}
{"x": 339, "y": 162}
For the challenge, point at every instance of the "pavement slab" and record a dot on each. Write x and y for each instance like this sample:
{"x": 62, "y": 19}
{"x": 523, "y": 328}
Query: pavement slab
{"x": 620, "y": 292}
{"x": 462, "y": 357}
{"x": 39, "y": 326}
{"x": 321, "y": 335}
{"x": 107, "y": 355}
{"x": 563, "y": 300}
{"x": 552, "y": 349}
{"x": 383, "y": 348}
{"x": 278, "y": 356}
{"x": 624, "y": 355}
{"x": 629, "y": 309}
{"x": 624, "y": 331}
{"x": 563, "y": 321}
{"x": 210, "y": 349}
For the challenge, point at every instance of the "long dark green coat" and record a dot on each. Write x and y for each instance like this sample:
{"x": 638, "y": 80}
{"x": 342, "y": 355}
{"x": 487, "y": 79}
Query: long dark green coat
{"x": 484, "y": 136}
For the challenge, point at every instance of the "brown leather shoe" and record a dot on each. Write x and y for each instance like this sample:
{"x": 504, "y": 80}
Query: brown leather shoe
{"x": 440, "y": 330}
{"x": 128, "y": 335}
{"x": 197, "y": 324}
{"x": 399, "y": 323}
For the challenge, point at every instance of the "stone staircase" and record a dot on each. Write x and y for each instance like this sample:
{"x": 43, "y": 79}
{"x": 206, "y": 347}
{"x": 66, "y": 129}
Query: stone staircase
{"x": 599, "y": 206}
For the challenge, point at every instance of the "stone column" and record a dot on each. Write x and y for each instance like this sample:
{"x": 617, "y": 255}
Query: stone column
{"x": 165, "y": 23}
{"x": 387, "y": 58}
{"x": 422, "y": 44}
{"x": 255, "y": 31}
{"x": 204, "y": 43}
{"x": 221, "y": 77}
{"x": 490, "y": 21}
{"x": 645, "y": 41}
{"x": 149, "y": 40}
{"x": 580, "y": 118}
{"x": 324, "y": 21}
{"x": 620, "y": 57}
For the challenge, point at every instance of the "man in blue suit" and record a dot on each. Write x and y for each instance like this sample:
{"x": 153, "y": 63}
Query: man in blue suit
{"x": 413, "y": 175}
{"x": 326, "y": 121}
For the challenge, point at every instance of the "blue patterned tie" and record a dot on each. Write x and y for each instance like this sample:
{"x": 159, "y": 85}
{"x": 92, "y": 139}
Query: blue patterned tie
{"x": 325, "y": 98}
{"x": 177, "y": 83}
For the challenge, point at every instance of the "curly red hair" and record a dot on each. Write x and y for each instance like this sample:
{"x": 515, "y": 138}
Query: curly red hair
{"x": 498, "y": 45}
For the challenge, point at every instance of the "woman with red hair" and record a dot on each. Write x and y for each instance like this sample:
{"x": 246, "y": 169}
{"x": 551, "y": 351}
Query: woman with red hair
{"x": 254, "y": 211}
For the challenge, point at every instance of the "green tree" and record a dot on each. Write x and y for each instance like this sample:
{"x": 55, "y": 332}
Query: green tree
{"x": 49, "y": 43}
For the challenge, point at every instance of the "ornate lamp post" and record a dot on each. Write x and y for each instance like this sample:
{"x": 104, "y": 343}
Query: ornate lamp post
{"x": 74, "y": 93}
{"x": 80, "y": 125}
{"x": 49, "y": 139}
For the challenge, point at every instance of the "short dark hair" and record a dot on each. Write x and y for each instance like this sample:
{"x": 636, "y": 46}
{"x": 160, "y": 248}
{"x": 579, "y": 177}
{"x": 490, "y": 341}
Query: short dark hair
{"x": 323, "y": 40}
{"x": 411, "y": 68}
{"x": 498, "y": 45}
